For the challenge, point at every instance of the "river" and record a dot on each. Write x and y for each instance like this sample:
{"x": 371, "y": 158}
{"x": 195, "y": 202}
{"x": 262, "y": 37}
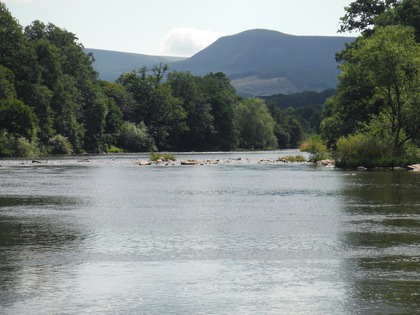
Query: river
{"x": 103, "y": 235}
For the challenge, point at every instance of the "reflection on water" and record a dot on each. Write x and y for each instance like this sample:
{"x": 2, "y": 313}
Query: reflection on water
{"x": 110, "y": 237}
{"x": 384, "y": 234}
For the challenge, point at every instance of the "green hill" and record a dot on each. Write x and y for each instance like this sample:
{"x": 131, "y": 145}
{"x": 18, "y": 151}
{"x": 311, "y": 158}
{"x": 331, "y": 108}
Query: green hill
{"x": 259, "y": 62}
{"x": 111, "y": 64}
{"x": 264, "y": 62}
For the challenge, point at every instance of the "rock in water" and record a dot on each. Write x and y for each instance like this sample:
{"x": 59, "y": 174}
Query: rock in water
{"x": 414, "y": 167}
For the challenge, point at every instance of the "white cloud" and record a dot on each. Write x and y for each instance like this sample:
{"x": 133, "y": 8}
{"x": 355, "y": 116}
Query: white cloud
{"x": 186, "y": 41}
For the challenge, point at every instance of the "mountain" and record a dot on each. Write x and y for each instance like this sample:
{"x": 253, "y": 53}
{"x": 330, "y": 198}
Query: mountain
{"x": 301, "y": 99}
{"x": 111, "y": 64}
{"x": 259, "y": 62}
{"x": 264, "y": 62}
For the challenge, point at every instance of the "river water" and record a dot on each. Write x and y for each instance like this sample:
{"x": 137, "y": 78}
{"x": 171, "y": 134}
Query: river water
{"x": 107, "y": 236}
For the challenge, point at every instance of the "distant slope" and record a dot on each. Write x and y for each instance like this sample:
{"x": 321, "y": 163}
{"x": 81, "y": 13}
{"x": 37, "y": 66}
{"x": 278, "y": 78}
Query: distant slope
{"x": 265, "y": 50}
{"x": 111, "y": 64}
{"x": 300, "y": 99}
{"x": 259, "y": 62}
{"x": 264, "y": 62}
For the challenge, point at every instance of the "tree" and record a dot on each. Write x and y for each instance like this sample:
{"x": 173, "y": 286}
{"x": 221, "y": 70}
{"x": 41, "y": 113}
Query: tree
{"x": 255, "y": 125}
{"x": 406, "y": 13}
{"x": 288, "y": 130}
{"x": 353, "y": 105}
{"x": 66, "y": 105}
{"x": 10, "y": 38}
{"x": 364, "y": 15}
{"x": 17, "y": 118}
{"x": 199, "y": 120}
{"x": 40, "y": 102}
{"x": 135, "y": 137}
{"x": 222, "y": 97}
{"x": 160, "y": 111}
{"x": 7, "y": 89}
{"x": 123, "y": 99}
{"x": 389, "y": 60}
{"x": 361, "y": 15}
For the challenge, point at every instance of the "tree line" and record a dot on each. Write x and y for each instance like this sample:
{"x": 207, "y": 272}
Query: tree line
{"x": 374, "y": 119}
{"x": 52, "y": 102}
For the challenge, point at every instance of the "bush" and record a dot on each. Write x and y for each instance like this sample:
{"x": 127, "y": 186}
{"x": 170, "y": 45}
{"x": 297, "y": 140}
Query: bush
{"x": 60, "y": 145}
{"x": 316, "y": 148}
{"x": 25, "y": 148}
{"x": 113, "y": 149}
{"x": 135, "y": 138}
{"x": 292, "y": 158}
{"x": 373, "y": 146}
{"x": 15, "y": 146}
{"x": 165, "y": 157}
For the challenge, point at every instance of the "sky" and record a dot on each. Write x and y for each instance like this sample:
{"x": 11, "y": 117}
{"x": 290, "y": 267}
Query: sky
{"x": 177, "y": 27}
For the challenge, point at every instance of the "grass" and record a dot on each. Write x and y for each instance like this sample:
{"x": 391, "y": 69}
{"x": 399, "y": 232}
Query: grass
{"x": 164, "y": 157}
{"x": 114, "y": 149}
{"x": 292, "y": 158}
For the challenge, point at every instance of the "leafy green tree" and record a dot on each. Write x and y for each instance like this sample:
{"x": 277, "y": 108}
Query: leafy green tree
{"x": 405, "y": 13}
{"x": 364, "y": 15}
{"x": 7, "y": 89}
{"x": 391, "y": 58}
{"x": 222, "y": 97}
{"x": 199, "y": 120}
{"x": 309, "y": 117}
{"x": 255, "y": 125}
{"x": 316, "y": 148}
{"x": 161, "y": 112}
{"x": 288, "y": 130}
{"x": 296, "y": 133}
{"x": 123, "y": 99}
{"x": 66, "y": 105}
{"x": 45, "y": 68}
{"x": 390, "y": 61}
{"x": 113, "y": 122}
{"x": 94, "y": 121}
{"x": 60, "y": 145}
{"x": 353, "y": 105}
{"x": 17, "y": 118}
{"x": 40, "y": 102}
{"x": 11, "y": 38}
{"x": 135, "y": 138}
{"x": 361, "y": 15}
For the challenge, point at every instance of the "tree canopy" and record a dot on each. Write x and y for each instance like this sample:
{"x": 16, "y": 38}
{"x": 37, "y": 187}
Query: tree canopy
{"x": 377, "y": 105}
{"x": 51, "y": 101}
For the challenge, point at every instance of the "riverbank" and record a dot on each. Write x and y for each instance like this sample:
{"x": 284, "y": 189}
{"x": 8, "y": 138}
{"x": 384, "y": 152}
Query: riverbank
{"x": 292, "y": 157}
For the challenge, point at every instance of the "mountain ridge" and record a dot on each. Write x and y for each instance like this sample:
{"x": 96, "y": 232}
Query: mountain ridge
{"x": 259, "y": 62}
{"x": 111, "y": 64}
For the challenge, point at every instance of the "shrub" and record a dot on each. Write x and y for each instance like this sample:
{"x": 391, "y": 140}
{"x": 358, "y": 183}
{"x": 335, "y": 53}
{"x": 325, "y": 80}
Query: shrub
{"x": 60, "y": 145}
{"x": 16, "y": 146}
{"x": 360, "y": 149}
{"x": 135, "y": 138}
{"x": 113, "y": 149}
{"x": 373, "y": 146}
{"x": 292, "y": 158}
{"x": 25, "y": 148}
{"x": 316, "y": 148}
{"x": 167, "y": 157}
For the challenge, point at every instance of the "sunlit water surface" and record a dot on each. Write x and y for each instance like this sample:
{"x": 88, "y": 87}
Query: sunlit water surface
{"x": 111, "y": 237}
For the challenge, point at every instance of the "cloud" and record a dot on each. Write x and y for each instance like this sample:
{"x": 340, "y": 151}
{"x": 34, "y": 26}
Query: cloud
{"x": 186, "y": 41}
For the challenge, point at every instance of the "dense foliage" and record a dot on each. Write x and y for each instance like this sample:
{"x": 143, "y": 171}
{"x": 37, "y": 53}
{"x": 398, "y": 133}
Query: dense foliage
{"x": 305, "y": 107}
{"x": 375, "y": 117}
{"x": 52, "y": 102}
